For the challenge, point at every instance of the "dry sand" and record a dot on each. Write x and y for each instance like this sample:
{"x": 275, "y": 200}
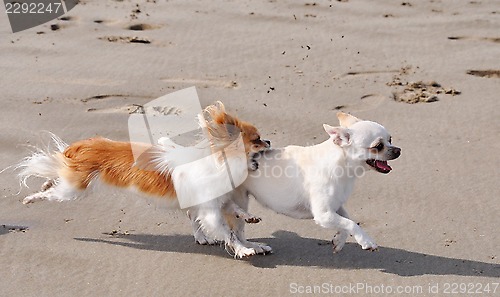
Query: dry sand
{"x": 288, "y": 68}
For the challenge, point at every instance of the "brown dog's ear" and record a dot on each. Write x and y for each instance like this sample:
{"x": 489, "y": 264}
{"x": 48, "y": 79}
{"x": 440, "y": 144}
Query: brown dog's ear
{"x": 220, "y": 106}
{"x": 339, "y": 135}
{"x": 217, "y": 113}
{"x": 346, "y": 120}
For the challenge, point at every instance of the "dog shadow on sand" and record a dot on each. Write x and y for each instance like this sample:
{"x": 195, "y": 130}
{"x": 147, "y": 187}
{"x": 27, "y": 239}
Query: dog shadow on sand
{"x": 293, "y": 250}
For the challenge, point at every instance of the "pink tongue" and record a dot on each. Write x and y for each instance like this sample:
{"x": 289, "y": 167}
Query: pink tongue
{"x": 383, "y": 165}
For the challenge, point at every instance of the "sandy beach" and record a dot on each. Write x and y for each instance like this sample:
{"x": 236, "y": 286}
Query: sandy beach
{"x": 429, "y": 71}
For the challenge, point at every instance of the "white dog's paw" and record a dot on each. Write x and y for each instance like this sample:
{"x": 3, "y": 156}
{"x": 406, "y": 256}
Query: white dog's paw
{"x": 338, "y": 241}
{"x": 253, "y": 220}
{"x": 263, "y": 249}
{"x": 260, "y": 248}
{"x": 369, "y": 244}
{"x": 243, "y": 252}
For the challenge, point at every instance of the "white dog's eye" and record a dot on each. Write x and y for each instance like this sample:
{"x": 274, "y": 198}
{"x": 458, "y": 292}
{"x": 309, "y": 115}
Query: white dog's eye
{"x": 390, "y": 140}
{"x": 380, "y": 146}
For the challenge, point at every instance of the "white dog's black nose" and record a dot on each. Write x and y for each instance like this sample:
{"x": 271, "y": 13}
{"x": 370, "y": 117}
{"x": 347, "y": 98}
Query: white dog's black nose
{"x": 396, "y": 151}
{"x": 268, "y": 142}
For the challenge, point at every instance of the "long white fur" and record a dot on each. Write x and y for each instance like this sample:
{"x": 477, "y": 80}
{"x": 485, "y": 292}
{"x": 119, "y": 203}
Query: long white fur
{"x": 45, "y": 163}
{"x": 42, "y": 162}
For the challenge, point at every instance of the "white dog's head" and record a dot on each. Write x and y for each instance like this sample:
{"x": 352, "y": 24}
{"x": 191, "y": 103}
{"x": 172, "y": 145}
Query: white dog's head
{"x": 364, "y": 142}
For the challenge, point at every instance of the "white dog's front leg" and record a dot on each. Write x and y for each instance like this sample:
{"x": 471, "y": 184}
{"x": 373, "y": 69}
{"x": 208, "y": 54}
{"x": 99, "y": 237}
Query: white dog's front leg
{"x": 340, "y": 238}
{"x": 330, "y": 219}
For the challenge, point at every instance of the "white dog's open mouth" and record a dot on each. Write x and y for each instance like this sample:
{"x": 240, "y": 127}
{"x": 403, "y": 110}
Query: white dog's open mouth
{"x": 380, "y": 166}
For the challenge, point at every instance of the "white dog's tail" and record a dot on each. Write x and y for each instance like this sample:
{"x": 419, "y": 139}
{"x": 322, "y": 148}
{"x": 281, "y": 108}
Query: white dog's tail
{"x": 43, "y": 163}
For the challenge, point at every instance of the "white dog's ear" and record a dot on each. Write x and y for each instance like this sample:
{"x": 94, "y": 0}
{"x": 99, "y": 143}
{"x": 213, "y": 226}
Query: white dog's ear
{"x": 339, "y": 135}
{"x": 346, "y": 120}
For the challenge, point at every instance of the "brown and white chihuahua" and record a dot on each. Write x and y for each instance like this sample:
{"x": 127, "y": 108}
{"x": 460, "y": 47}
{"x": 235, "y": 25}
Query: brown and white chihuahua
{"x": 72, "y": 171}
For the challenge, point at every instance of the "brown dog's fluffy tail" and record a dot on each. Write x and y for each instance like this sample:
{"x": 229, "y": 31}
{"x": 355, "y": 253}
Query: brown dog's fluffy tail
{"x": 43, "y": 163}
{"x": 72, "y": 170}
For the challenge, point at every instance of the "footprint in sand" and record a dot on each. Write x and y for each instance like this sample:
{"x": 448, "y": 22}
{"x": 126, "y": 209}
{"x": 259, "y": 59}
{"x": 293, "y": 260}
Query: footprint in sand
{"x": 130, "y": 108}
{"x": 131, "y": 27}
{"x": 371, "y": 101}
{"x": 103, "y": 96}
{"x": 485, "y": 73}
{"x": 129, "y": 39}
{"x": 141, "y": 27}
{"x": 64, "y": 22}
{"x": 368, "y": 102}
{"x": 134, "y": 39}
{"x": 417, "y": 92}
{"x": 407, "y": 92}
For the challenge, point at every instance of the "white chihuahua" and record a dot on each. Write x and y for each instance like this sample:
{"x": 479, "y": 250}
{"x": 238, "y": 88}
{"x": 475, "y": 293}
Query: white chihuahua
{"x": 314, "y": 182}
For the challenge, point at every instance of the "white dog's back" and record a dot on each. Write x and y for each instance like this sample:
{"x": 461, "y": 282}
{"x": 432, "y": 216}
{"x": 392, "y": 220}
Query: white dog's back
{"x": 287, "y": 175}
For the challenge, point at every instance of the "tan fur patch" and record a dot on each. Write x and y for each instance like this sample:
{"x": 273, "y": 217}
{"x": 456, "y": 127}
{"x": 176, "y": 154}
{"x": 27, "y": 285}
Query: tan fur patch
{"x": 112, "y": 162}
